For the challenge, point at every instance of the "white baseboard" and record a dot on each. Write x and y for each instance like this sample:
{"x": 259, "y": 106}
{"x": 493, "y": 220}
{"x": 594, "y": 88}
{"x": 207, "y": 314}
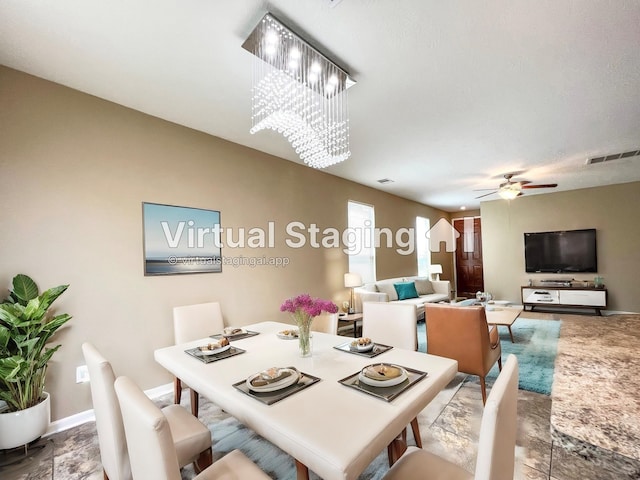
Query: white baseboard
{"x": 88, "y": 415}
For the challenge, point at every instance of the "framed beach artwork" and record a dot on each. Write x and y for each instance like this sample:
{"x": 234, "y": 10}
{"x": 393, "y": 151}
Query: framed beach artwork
{"x": 179, "y": 240}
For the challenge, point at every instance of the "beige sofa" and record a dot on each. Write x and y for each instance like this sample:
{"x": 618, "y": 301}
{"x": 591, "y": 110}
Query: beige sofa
{"x": 428, "y": 291}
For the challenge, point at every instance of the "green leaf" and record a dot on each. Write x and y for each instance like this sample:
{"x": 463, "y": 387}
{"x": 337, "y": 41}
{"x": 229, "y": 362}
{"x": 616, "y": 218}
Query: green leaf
{"x": 24, "y": 288}
{"x": 49, "y": 296}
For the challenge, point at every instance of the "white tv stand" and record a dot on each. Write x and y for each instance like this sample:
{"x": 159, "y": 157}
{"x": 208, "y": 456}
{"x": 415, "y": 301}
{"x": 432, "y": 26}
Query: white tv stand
{"x": 564, "y": 297}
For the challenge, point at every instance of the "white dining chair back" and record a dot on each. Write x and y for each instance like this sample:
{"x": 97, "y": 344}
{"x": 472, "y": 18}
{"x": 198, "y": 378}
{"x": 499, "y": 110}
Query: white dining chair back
{"x": 191, "y": 322}
{"x": 496, "y": 445}
{"x": 391, "y": 324}
{"x": 111, "y": 437}
{"x": 326, "y": 323}
{"x": 193, "y": 439}
{"x": 148, "y": 434}
{"x": 151, "y": 444}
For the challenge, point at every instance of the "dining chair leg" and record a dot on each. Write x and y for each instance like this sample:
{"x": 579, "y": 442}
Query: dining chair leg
{"x": 204, "y": 460}
{"x": 415, "y": 428}
{"x": 302, "y": 471}
{"x": 483, "y": 387}
{"x": 500, "y": 363}
{"x": 194, "y": 402}
{"x": 177, "y": 390}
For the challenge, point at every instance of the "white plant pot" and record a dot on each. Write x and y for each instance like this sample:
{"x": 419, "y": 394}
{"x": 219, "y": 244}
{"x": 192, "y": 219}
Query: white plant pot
{"x": 24, "y": 426}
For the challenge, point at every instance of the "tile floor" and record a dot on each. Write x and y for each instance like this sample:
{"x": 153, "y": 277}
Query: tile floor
{"x": 449, "y": 427}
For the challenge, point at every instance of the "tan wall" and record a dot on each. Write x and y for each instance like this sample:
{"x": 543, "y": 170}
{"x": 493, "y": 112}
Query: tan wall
{"x": 612, "y": 211}
{"x": 74, "y": 171}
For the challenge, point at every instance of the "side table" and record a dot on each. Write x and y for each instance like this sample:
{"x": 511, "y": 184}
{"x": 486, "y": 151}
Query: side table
{"x": 351, "y": 320}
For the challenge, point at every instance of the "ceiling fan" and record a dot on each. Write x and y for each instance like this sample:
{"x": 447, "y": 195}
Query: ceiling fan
{"x": 512, "y": 189}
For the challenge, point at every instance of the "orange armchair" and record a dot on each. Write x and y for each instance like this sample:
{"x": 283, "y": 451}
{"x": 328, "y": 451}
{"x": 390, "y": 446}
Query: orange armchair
{"x": 462, "y": 333}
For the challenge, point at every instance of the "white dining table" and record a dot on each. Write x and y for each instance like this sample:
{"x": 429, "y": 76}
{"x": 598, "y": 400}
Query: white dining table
{"x": 329, "y": 428}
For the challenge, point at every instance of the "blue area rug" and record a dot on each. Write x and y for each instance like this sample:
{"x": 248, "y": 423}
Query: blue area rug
{"x": 536, "y": 344}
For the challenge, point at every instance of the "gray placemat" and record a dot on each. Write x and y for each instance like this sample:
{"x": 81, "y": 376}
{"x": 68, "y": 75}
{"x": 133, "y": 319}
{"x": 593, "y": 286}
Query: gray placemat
{"x": 269, "y": 398}
{"x": 385, "y": 393}
{"x": 196, "y": 353}
{"x": 377, "y": 349}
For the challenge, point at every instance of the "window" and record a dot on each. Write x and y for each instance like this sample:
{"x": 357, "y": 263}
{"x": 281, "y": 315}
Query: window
{"x": 422, "y": 246}
{"x": 360, "y": 243}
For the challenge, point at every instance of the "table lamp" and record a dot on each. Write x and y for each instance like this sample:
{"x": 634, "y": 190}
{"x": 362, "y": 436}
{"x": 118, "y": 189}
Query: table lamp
{"x": 352, "y": 280}
{"x": 435, "y": 270}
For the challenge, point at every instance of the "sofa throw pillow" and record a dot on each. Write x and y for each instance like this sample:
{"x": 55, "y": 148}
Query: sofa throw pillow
{"x": 388, "y": 288}
{"x": 406, "y": 290}
{"x": 423, "y": 286}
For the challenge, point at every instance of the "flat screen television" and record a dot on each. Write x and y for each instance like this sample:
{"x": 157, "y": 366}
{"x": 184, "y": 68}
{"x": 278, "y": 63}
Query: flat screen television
{"x": 571, "y": 251}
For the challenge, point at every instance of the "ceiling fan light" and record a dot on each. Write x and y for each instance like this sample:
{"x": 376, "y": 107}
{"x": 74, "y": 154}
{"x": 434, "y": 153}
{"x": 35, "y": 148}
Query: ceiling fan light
{"x": 509, "y": 192}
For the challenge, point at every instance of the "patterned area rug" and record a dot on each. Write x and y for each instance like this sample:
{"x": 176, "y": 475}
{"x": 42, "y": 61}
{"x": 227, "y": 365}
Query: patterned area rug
{"x": 535, "y": 345}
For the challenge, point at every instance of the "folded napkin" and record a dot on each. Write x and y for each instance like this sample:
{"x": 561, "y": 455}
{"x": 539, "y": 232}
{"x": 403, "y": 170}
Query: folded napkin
{"x": 382, "y": 372}
{"x": 272, "y": 375}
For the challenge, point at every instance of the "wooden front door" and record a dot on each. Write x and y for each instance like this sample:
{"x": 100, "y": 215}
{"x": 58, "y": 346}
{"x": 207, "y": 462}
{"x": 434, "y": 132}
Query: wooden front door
{"x": 469, "y": 275}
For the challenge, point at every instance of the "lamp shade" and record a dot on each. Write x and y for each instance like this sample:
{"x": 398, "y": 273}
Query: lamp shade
{"x": 352, "y": 280}
{"x": 436, "y": 269}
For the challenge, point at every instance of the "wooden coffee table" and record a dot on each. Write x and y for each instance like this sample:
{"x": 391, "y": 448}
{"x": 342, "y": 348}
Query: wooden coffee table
{"x": 503, "y": 315}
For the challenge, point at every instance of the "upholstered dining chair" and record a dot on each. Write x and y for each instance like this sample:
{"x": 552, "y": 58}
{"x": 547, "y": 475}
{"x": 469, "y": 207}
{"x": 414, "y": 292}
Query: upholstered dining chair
{"x": 151, "y": 444}
{"x": 392, "y": 324}
{"x": 191, "y": 322}
{"x": 462, "y": 333}
{"x": 192, "y": 439}
{"x": 326, "y": 323}
{"x": 496, "y": 446}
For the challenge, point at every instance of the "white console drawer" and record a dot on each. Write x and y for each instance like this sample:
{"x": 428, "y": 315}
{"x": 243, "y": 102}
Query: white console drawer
{"x": 591, "y": 298}
{"x": 540, "y": 295}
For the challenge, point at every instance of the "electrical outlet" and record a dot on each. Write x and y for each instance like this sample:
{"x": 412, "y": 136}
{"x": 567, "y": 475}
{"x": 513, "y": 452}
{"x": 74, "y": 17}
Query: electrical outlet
{"x": 82, "y": 374}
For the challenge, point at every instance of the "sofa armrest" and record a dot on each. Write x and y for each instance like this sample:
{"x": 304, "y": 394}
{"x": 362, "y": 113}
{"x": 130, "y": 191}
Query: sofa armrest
{"x": 364, "y": 296}
{"x": 442, "y": 287}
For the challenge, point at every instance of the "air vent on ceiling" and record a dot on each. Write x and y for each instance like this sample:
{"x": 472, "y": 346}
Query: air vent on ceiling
{"x": 613, "y": 156}
{"x": 385, "y": 180}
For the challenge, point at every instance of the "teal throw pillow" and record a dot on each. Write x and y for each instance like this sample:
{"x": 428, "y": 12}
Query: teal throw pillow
{"x": 406, "y": 290}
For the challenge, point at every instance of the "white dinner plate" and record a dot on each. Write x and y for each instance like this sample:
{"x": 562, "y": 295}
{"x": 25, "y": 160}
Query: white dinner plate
{"x": 383, "y": 383}
{"x": 291, "y": 335}
{"x": 287, "y": 381}
{"x": 227, "y": 331}
{"x": 215, "y": 350}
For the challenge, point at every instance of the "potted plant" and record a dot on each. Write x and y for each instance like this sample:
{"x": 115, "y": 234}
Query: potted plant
{"x": 25, "y": 329}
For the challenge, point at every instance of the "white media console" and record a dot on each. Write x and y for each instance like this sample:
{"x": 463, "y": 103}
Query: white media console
{"x": 564, "y": 296}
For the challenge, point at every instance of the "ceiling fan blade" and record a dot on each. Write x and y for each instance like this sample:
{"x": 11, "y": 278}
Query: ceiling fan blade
{"x": 543, "y": 185}
{"x": 487, "y": 194}
{"x": 524, "y": 182}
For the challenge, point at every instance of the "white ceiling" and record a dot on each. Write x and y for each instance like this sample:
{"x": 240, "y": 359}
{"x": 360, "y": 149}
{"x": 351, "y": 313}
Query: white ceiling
{"x": 450, "y": 94}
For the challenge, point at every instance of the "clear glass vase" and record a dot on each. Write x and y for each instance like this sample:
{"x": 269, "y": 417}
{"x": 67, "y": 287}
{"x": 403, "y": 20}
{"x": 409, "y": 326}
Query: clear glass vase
{"x": 304, "y": 339}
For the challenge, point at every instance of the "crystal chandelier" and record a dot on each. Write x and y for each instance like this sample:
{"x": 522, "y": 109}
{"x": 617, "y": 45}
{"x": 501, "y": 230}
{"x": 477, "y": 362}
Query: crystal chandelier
{"x": 299, "y": 93}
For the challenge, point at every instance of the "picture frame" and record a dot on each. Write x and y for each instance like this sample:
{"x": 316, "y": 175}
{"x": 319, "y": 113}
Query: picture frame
{"x": 180, "y": 240}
